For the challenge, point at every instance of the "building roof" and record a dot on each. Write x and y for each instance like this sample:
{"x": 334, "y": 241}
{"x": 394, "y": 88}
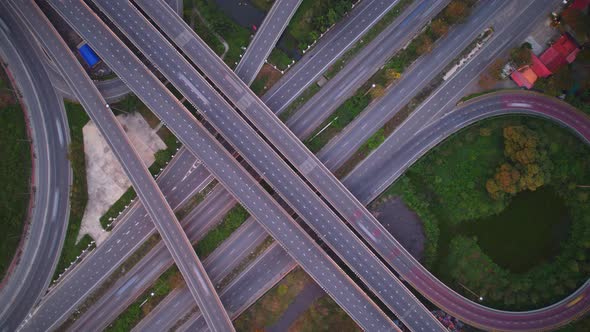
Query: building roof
{"x": 580, "y": 4}
{"x": 539, "y": 67}
{"x": 88, "y": 55}
{"x": 524, "y": 77}
{"x": 562, "y": 52}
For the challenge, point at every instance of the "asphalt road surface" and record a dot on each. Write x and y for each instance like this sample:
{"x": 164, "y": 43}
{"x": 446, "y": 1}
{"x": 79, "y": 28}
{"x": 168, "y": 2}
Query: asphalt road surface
{"x": 260, "y": 155}
{"x": 222, "y": 165}
{"x": 509, "y": 102}
{"x": 329, "y": 48}
{"x": 358, "y": 71}
{"x": 144, "y": 184}
{"x": 51, "y": 175}
{"x": 511, "y": 28}
{"x": 265, "y": 39}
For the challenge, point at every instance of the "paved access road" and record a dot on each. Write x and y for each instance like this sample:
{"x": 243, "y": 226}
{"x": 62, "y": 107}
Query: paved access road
{"x": 329, "y": 48}
{"x": 373, "y": 56}
{"x": 51, "y": 174}
{"x": 507, "y": 18}
{"x": 144, "y": 184}
{"x": 509, "y": 102}
{"x": 258, "y": 153}
{"x": 144, "y": 273}
{"x": 222, "y": 165}
{"x": 512, "y": 27}
{"x": 266, "y": 37}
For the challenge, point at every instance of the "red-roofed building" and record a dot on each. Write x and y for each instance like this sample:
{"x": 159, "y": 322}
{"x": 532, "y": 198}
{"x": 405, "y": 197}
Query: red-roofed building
{"x": 524, "y": 77}
{"x": 580, "y": 4}
{"x": 539, "y": 67}
{"x": 562, "y": 52}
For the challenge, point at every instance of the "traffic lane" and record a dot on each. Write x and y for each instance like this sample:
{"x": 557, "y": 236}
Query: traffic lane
{"x": 358, "y": 71}
{"x": 145, "y": 272}
{"x": 130, "y": 232}
{"x": 260, "y": 155}
{"x": 267, "y": 270}
{"x": 219, "y": 264}
{"x": 437, "y": 292}
{"x": 50, "y": 173}
{"x": 146, "y": 188}
{"x": 414, "y": 79}
{"x": 442, "y": 99}
{"x": 226, "y": 169}
{"x": 330, "y": 47}
{"x": 265, "y": 39}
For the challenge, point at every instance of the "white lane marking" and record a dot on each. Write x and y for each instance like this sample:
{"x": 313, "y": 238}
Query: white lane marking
{"x": 59, "y": 133}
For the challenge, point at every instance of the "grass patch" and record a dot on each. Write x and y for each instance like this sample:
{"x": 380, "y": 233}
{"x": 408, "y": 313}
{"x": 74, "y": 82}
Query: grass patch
{"x": 118, "y": 206}
{"x": 279, "y": 58}
{"x": 201, "y": 28}
{"x": 304, "y": 97}
{"x": 314, "y": 17}
{"x": 232, "y": 220}
{"x": 266, "y": 78}
{"x": 172, "y": 278}
{"x": 375, "y": 87}
{"x": 383, "y": 23}
{"x": 77, "y": 119}
{"x": 264, "y": 5}
{"x": 269, "y": 308}
{"x": 324, "y": 315}
{"x": 111, "y": 280}
{"x": 15, "y": 175}
{"x": 235, "y": 35}
{"x": 338, "y": 120}
{"x": 140, "y": 308}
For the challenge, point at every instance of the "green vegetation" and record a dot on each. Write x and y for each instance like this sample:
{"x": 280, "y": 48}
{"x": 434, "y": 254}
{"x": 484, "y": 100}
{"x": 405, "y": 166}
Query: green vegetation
{"x": 201, "y": 28}
{"x": 146, "y": 302}
{"x": 383, "y": 23}
{"x": 15, "y": 174}
{"x": 521, "y": 55}
{"x": 118, "y": 206}
{"x": 118, "y": 273}
{"x": 518, "y": 251}
{"x": 391, "y": 71}
{"x": 314, "y": 17}
{"x": 232, "y": 220}
{"x": 303, "y": 97}
{"x": 172, "y": 278}
{"x": 324, "y": 315}
{"x": 77, "y": 119}
{"x": 279, "y": 58}
{"x": 339, "y": 119}
{"x": 264, "y": 5}
{"x": 268, "y": 309}
{"x": 235, "y": 35}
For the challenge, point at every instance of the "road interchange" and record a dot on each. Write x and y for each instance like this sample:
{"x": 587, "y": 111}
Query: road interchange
{"x": 513, "y": 103}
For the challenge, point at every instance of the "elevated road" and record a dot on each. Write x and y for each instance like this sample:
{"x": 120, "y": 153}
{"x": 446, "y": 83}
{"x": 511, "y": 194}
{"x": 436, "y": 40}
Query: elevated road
{"x": 145, "y": 186}
{"x": 259, "y": 154}
{"x": 329, "y": 48}
{"x": 485, "y": 107}
{"x": 222, "y": 165}
{"x": 265, "y": 39}
{"x": 511, "y": 27}
{"x": 39, "y": 252}
{"x": 359, "y": 70}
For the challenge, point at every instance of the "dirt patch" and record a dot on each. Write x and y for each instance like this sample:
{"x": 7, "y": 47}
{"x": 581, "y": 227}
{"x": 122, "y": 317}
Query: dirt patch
{"x": 266, "y": 78}
{"x": 106, "y": 179}
{"x": 403, "y": 223}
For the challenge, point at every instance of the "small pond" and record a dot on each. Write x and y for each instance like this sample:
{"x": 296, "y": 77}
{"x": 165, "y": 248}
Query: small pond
{"x": 527, "y": 233}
